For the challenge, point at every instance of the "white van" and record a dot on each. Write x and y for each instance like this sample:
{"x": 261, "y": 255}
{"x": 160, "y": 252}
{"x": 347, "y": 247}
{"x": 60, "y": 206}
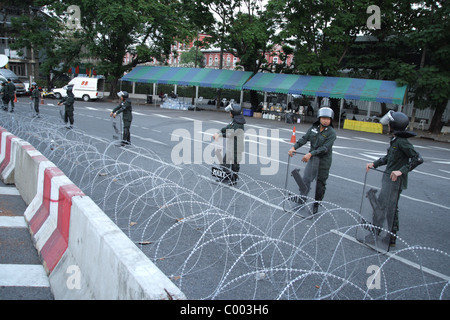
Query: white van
{"x": 84, "y": 88}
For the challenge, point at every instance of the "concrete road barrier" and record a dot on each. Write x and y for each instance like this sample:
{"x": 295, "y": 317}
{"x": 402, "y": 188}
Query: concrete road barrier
{"x": 84, "y": 253}
{"x": 6, "y": 157}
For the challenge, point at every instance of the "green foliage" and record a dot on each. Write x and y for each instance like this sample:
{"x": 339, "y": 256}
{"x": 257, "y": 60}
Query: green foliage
{"x": 320, "y": 31}
{"x": 411, "y": 47}
{"x": 192, "y": 58}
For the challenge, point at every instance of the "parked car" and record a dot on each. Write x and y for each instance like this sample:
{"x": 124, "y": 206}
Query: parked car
{"x": 20, "y": 87}
{"x": 84, "y": 88}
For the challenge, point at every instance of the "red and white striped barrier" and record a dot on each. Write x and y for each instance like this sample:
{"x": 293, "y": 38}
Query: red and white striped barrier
{"x": 48, "y": 214}
{"x": 6, "y": 157}
{"x": 72, "y": 234}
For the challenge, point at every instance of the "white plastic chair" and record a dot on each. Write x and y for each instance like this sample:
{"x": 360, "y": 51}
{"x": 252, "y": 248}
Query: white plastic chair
{"x": 422, "y": 124}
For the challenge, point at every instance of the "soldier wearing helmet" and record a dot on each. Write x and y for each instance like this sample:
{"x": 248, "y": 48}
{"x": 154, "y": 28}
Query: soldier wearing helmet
{"x": 35, "y": 95}
{"x": 234, "y": 132}
{"x": 321, "y": 136}
{"x": 68, "y": 103}
{"x": 9, "y": 94}
{"x": 401, "y": 156}
{"x": 3, "y": 98}
{"x": 125, "y": 108}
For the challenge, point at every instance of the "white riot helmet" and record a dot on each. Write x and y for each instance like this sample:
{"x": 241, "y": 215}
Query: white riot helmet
{"x": 326, "y": 112}
{"x": 235, "y": 109}
{"x": 123, "y": 94}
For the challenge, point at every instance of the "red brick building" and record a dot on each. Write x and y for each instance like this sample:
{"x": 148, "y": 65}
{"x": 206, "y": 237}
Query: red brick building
{"x": 212, "y": 56}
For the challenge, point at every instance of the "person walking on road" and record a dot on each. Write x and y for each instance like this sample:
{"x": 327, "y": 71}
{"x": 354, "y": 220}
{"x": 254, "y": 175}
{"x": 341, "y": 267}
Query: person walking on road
{"x": 400, "y": 159}
{"x": 68, "y": 102}
{"x": 35, "y": 97}
{"x": 125, "y": 108}
{"x": 321, "y": 136}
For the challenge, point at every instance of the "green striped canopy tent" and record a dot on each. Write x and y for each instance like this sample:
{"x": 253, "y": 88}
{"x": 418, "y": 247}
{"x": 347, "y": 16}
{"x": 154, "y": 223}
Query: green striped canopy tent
{"x": 331, "y": 87}
{"x": 200, "y": 77}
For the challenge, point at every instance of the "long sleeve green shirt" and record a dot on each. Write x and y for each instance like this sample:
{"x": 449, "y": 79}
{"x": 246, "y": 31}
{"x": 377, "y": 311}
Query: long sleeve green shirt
{"x": 401, "y": 156}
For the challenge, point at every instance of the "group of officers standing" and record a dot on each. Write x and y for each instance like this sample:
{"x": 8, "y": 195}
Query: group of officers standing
{"x": 400, "y": 158}
{"x": 8, "y": 95}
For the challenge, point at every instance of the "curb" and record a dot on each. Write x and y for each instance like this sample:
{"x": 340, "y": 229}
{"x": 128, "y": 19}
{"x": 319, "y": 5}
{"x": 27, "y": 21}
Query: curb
{"x": 85, "y": 255}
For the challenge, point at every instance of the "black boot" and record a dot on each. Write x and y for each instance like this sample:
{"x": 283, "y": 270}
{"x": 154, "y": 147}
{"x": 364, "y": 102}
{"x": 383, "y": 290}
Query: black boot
{"x": 233, "y": 179}
{"x": 315, "y": 207}
{"x": 393, "y": 239}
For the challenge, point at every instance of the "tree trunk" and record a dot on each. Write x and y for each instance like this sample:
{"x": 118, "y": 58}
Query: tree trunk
{"x": 114, "y": 89}
{"x": 435, "y": 125}
{"x": 254, "y": 101}
{"x": 413, "y": 118}
{"x": 383, "y": 108}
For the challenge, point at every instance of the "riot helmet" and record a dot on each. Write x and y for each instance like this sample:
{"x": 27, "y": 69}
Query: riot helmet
{"x": 235, "y": 109}
{"x": 123, "y": 94}
{"x": 325, "y": 112}
{"x": 398, "y": 121}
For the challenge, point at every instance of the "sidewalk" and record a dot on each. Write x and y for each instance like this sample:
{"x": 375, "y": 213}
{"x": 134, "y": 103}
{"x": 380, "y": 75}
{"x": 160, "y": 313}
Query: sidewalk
{"x": 442, "y": 137}
{"x": 22, "y": 275}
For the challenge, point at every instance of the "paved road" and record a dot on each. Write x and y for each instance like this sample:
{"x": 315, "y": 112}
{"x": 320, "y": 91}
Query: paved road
{"x": 424, "y": 206}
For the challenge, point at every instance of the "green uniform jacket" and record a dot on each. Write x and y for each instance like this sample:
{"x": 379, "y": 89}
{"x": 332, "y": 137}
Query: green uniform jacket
{"x": 321, "y": 146}
{"x": 125, "y": 108}
{"x": 235, "y": 130}
{"x": 10, "y": 89}
{"x": 35, "y": 94}
{"x": 401, "y": 156}
{"x": 68, "y": 102}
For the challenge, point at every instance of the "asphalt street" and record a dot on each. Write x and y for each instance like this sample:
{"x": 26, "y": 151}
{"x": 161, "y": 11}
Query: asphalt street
{"x": 424, "y": 206}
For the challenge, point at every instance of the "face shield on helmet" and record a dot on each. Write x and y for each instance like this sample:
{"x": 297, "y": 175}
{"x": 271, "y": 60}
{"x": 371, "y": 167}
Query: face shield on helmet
{"x": 68, "y": 88}
{"x": 123, "y": 94}
{"x": 234, "y": 109}
{"x": 387, "y": 118}
{"x": 325, "y": 112}
{"x": 398, "y": 121}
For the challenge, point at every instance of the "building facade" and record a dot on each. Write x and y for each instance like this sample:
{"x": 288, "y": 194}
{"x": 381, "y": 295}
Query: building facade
{"x": 25, "y": 66}
{"x": 212, "y": 56}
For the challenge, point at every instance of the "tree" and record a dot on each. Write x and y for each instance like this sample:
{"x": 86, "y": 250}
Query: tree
{"x": 193, "y": 58}
{"x": 411, "y": 47}
{"x": 109, "y": 29}
{"x": 249, "y": 39}
{"x": 430, "y": 78}
{"x": 320, "y": 32}
{"x": 45, "y": 35}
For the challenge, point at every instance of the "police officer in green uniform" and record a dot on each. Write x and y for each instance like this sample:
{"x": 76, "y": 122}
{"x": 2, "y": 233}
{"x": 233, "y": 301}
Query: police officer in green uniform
{"x": 68, "y": 102}
{"x": 401, "y": 157}
{"x": 3, "y": 96}
{"x": 35, "y": 95}
{"x": 234, "y": 133}
{"x": 9, "y": 93}
{"x": 125, "y": 108}
{"x": 321, "y": 136}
